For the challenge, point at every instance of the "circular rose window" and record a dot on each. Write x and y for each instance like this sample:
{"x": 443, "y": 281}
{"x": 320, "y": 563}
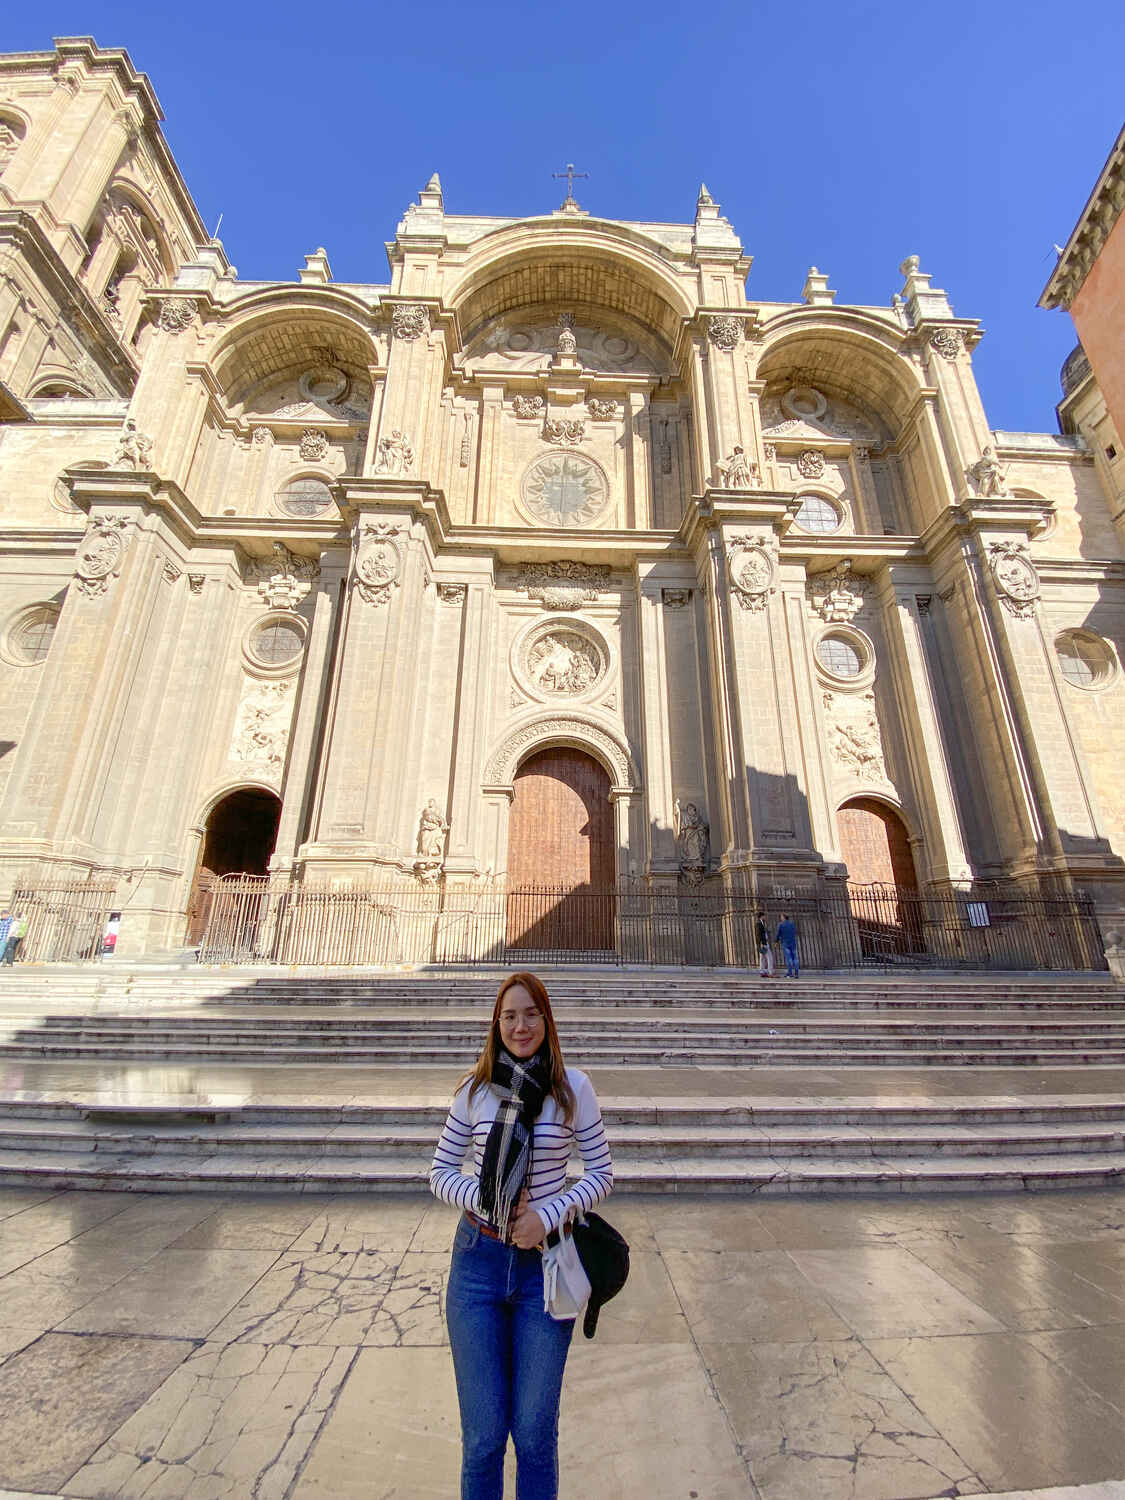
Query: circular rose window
{"x": 276, "y": 642}
{"x": 817, "y": 515}
{"x": 564, "y": 489}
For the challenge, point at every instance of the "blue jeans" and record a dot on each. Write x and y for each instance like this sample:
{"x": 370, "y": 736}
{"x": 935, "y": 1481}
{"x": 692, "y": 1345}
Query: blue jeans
{"x": 792, "y": 967}
{"x": 508, "y": 1358}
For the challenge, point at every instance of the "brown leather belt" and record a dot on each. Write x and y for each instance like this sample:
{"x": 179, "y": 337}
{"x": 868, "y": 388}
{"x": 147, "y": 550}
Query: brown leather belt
{"x": 492, "y": 1233}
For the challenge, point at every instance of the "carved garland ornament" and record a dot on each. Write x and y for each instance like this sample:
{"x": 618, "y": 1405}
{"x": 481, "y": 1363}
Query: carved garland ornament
{"x": 563, "y": 432}
{"x": 752, "y": 570}
{"x": 566, "y": 584}
{"x": 100, "y": 554}
{"x": 1017, "y": 582}
{"x": 501, "y": 766}
{"x": 947, "y": 342}
{"x": 313, "y": 446}
{"x": 409, "y": 321}
{"x": 724, "y": 331}
{"x": 526, "y": 407}
{"x": 176, "y": 314}
{"x": 837, "y": 595}
{"x": 378, "y": 562}
{"x": 601, "y": 411}
{"x": 283, "y": 578}
{"x": 810, "y": 464}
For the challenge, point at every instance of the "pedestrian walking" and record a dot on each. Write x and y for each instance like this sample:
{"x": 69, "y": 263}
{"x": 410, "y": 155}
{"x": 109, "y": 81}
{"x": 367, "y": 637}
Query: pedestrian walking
{"x": 787, "y": 937}
{"x": 17, "y": 930}
{"x": 765, "y": 952}
{"x": 519, "y": 1112}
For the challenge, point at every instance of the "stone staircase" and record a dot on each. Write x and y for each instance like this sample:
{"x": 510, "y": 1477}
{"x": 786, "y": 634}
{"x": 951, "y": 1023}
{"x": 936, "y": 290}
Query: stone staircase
{"x": 156, "y": 1080}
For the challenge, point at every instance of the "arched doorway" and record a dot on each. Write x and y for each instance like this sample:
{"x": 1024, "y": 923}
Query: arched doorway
{"x": 561, "y": 854}
{"x": 239, "y": 838}
{"x": 882, "y": 881}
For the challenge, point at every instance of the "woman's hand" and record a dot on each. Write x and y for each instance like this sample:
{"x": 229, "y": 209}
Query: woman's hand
{"x": 527, "y": 1228}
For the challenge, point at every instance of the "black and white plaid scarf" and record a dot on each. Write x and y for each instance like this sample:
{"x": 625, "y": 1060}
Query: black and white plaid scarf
{"x": 521, "y": 1088}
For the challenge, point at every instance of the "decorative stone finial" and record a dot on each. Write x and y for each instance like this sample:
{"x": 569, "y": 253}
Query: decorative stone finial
{"x": 705, "y": 199}
{"x": 817, "y": 292}
{"x": 430, "y": 197}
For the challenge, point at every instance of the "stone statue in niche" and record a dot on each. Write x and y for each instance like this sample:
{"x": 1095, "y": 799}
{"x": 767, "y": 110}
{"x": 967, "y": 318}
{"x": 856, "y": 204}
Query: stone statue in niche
{"x": 133, "y": 448}
{"x": 692, "y": 841}
{"x": 432, "y": 829}
{"x": 396, "y": 455}
{"x": 567, "y": 345}
{"x": 987, "y": 474}
{"x": 737, "y": 472}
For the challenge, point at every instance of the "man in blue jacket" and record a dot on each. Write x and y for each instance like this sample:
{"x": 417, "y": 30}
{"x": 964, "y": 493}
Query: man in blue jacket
{"x": 787, "y": 937}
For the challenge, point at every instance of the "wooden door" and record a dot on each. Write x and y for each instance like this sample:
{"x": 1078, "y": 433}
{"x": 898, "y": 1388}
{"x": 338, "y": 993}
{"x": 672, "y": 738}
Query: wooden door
{"x": 561, "y": 860}
{"x": 876, "y": 848}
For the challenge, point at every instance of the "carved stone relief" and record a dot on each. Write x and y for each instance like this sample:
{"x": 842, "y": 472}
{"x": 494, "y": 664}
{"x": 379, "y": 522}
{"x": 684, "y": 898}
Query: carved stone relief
{"x": 567, "y": 344}
{"x": 100, "y": 554}
{"x": 452, "y": 593}
{"x": 313, "y": 447}
{"x": 526, "y": 407}
{"x": 432, "y": 829}
{"x": 562, "y": 661}
{"x": 854, "y": 738}
{"x": 987, "y": 474}
{"x": 395, "y": 455}
{"x": 676, "y": 598}
{"x": 196, "y": 582}
{"x": 804, "y": 412}
{"x": 261, "y": 729}
{"x": 565, "y": 584}
{"x": 752, "y": 569}
{"x": 947, "y": 342}
{"x": 467, "y": 440}
{"x": 263, "y": 437}
{"x": 1015, "y": 577}
{"x": 564, "y": 489}
{"x": 176, "y": 314}
{"x": 601, "y": 411}
{"x": 409, "y": 321}
{"x": 283, "y": 578}
{"x": 378, "y": 561}
{"x": 725, "y": 331}
{"x": 737, "y": 472}
{"x": 837, "y": 595}
{"x": 171, "y": 572}
{"x": 563, "y": 432}
{"x": 810, "y": 464}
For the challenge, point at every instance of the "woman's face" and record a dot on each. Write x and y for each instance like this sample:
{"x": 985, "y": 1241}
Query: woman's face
{"x": 521, "y": 1022}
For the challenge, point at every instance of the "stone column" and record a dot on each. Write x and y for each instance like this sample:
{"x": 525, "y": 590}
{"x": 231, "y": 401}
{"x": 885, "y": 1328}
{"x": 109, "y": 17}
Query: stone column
{"x": 903, "y": 607}
{"x": 474, "y": 677}
{"x": 656, "y": 724}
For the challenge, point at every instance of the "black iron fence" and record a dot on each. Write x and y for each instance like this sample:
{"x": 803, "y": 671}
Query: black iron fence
{"x": 267, "y": 920}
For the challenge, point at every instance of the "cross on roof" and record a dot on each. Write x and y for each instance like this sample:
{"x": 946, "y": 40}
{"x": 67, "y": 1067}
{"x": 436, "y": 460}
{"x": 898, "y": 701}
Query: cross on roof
{"x": 570, "y": 174}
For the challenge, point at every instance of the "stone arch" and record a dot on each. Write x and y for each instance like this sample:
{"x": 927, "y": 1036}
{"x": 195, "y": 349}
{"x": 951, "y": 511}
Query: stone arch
{"x": 234, "y": 836}
{"x": 848, "y": 355}
{"x": 587, "y": 263}
{"x": 274, "y": 333}
{"x": 576, "y": 730}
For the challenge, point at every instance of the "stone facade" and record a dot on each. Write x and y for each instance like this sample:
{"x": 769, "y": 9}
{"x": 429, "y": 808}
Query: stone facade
{"x": 366, "y": 548}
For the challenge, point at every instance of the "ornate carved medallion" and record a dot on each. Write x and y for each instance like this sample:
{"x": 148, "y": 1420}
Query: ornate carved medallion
{"x": 410, "y": 320}
{"x": 176, "y": 314}
{"x": 1017, "y": 582}
{"x": 752, "y": 572}
{"x": 724, "y": 331}
{"x": 99, "y": 555}
{"x": 947, "y": 342}
{"x": 565, "y": 584}
{"x": 810, "y": 463}
{"x": 562, "y": 659}
{"x": 378, "y": 563}
{"x": 314, "y": 445}
{"x": 564, "y": 489}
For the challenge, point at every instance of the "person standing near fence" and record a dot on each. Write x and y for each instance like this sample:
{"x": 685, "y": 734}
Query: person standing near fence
{"x": 765, "y": 952}
{"x": 787, "y": 937}
{"x": 17, "y": 928}
{"x": 5, "y": 929}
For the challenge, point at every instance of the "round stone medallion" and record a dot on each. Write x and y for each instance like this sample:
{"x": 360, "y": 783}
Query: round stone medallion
{"x": 562, "y": 659}
{"x": 564, "y": 489}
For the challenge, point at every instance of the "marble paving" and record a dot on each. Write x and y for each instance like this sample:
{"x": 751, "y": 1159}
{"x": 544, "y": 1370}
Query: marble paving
{"x": 198, "y": 1347}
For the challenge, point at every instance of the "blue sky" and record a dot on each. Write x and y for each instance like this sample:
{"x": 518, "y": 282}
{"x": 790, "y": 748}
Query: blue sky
{"x": 847, "y": 135}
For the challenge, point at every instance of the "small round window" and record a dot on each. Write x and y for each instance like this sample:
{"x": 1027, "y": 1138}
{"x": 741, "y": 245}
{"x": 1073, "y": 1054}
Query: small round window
{"x": 277, "y": 642}
{"x": 840, "y": 656}
{"x": 307, "y": 496}
{"x": 30, "y": 633}
{"x": 1085, "y": 660}
{"x": 817, "y": 515}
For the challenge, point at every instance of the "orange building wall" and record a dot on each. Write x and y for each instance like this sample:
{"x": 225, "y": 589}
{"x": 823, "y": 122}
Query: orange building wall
{"x": 1099, "y": 316}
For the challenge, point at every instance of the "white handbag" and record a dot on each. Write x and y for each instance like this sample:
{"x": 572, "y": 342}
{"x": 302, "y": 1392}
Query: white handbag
{"x": 566, "y": 1287}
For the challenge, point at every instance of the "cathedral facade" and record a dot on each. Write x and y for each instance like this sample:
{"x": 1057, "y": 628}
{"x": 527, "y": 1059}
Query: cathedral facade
{"x": 556, "y": 559}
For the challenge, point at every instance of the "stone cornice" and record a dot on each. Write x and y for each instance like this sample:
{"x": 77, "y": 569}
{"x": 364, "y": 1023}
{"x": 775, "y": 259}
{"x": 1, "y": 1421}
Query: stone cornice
{"x": 1095, "y": 223}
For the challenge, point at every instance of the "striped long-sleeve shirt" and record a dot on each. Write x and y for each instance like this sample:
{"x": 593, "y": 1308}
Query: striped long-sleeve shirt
{"x": 466, "y": 1129}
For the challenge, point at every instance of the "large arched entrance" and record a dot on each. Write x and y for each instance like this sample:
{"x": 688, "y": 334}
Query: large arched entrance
{"x": 882, "y": 881}
{"x": 561, "y": 854}
{"x": 239, "y": 838}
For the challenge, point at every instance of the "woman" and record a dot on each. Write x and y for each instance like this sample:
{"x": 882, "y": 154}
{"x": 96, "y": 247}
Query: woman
{"x": 521, "y": 1111}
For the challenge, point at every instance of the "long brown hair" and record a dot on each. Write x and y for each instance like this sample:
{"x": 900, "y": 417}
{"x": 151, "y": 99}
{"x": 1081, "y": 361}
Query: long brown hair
{"x": 481, "y": 1074}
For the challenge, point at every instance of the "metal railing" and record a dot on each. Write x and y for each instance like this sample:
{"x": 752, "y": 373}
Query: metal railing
{"x": 65, "y": 923}
{"x": 263, "y": 919}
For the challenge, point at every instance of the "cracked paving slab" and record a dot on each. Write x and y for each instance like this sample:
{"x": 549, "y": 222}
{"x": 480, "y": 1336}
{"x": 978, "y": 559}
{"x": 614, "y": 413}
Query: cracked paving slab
{"x": 824, "y": 1419}
{"x": 61, "y": 1397}
{"x": 233, "y": 1421}
{"x": 332, "y": 1299}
